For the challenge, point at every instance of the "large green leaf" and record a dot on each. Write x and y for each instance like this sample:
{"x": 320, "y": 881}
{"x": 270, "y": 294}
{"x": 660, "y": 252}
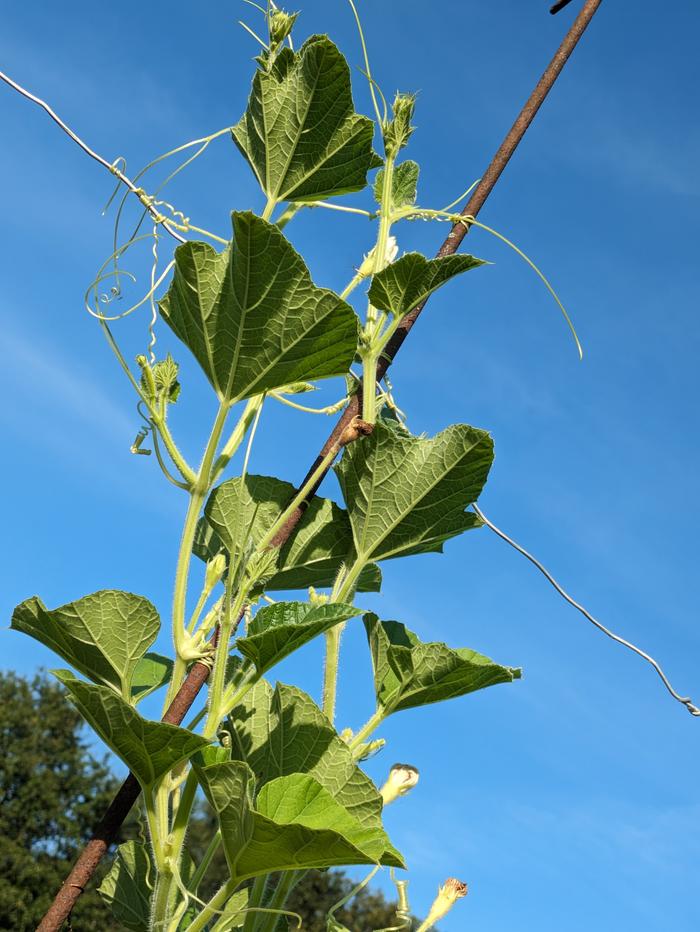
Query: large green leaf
{"x": 104, "y": 635}
{"x": 315, "y": 551}
{"x": 128, "y": 886}
{"x": 410, "y": 281}
{"x": 410, "y": 673}
{"x": 404, "y": 184}
{"x": 252, "y": 316}
{"x": 282, "y": 731}
{"x": 278, "y": 630}
{"x": 295, "y": 824}
{"x": 408, "y": 494}
{"x": 149, "y": 749}
{"x": 300, "y": 133}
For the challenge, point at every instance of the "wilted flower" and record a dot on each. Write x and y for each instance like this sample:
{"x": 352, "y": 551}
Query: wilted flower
{"x": 448, "y": 894}
{"x": 402, "y": 778}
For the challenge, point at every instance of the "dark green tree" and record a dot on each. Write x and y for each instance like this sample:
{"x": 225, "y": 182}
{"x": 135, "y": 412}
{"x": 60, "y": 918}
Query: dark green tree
{"x": 52, "y": 792}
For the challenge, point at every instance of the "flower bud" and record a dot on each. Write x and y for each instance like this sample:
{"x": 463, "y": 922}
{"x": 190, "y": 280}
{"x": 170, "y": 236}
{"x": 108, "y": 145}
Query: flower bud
{"x": 216, "y": 567}
{"x": 280, "y": 26}
{"x": 317, "y": 598}
{"x": 398, "y": 130}
{"x": 369, "y": 264}
{"x": 451, "y": 891}
{"x": 402, "y": 778}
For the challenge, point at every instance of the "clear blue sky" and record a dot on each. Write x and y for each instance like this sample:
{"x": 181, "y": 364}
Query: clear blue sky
{"x": 568, "y": 801}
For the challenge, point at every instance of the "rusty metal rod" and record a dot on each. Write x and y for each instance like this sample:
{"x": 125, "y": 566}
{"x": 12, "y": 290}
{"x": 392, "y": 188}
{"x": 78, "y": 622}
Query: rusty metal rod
{"x": 108, "y": 827}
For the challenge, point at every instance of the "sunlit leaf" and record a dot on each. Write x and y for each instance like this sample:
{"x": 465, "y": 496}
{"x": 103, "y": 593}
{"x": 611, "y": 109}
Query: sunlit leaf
{"x": 300, "y": 133}
{"x": 313, "y": 554}
{"x": 282, "y": 731}
{"x": 149, "y": 749}
{"x": 410, "y": 673}
{"x": 408, "y": 494}
{"x": 294, "y": 824}
{"x": 251, "y": 315}
{"x": 278, "y": 630}
{"x": 410, "y": 281}
{"x": 103, "y": 636}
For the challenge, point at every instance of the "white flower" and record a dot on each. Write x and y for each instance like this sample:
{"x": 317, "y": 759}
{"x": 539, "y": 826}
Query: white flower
{"x": 402, "y": 778}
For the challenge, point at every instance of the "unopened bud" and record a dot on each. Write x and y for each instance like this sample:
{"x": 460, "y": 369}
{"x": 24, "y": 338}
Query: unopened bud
{"x": 451, "y": 891}
{"x": 370, "y": 265}
{"x": 398, "y": 130}
{"x": 317, "y": 598}
{"x": 216, "y": 567}
{"x": 281, "y": 24}
{"x": 402, "y": 778}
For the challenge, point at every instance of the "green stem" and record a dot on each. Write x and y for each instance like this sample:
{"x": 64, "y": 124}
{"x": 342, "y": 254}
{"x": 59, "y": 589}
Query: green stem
{"x": 269, "y": 208}
{"x": 240, "y": 430}
{"x": 372, "y": 349}
{"x": 370, "y": 725}
{"x": 203, "y": 865}
{"x": 217, "y": 681}
{"x": 255, "y": 898}
{"x": 213, "y": 907}
{"x": 198, "y": 494}
{"x": 343, "y": 590}
{"x": 285, "y": 885}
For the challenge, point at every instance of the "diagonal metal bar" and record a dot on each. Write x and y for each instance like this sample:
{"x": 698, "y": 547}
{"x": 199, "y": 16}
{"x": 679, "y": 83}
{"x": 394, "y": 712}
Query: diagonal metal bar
{"x": 344, "y": 432}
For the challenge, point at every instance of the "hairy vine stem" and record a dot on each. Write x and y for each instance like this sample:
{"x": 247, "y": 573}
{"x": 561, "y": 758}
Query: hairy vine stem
{"x": 106, "y": 831}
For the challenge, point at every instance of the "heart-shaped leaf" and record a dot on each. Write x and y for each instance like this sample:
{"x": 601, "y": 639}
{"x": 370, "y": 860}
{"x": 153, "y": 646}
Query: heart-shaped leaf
{"x": 300, "y": 133}
{"x": 149, "y": 749}
{"x": 410, "y": 281}
{"x": 409, "y": 673}
{"x": 315, "y": 551}
{"x": 295, "y": 824}
{"x": 408, "y": 494}
{"x": 278, "y": 630}
{"x": 104, "y": 635}
{"x": 251, "y": 315}
{"x": 282, "y": 731}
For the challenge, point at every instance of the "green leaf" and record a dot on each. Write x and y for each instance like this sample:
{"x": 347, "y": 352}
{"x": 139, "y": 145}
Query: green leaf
{"x": 300, "y": 133}
{"x": 104, "y": 635}
{"x": 149, "y": 749}
{"x": 408, "y": 494}
{"x": 314, "y": 553}
{"x": 409, "y": 281}
{"x": 282, "y": 731}
{"x": 316, "y": 550}
{"x": 128, "y": 886}
{"x": 278, "y": 630}
{"x": 251, "y": 315}
{"x": 151, "y": 672}
{"x": 295, "y": 824}
{"x": 409, "y": 673}
{"x": 404, "y": 184}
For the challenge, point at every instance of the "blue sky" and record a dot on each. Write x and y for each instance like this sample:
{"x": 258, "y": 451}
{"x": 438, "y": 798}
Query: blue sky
{"x": 567, "y": 800}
